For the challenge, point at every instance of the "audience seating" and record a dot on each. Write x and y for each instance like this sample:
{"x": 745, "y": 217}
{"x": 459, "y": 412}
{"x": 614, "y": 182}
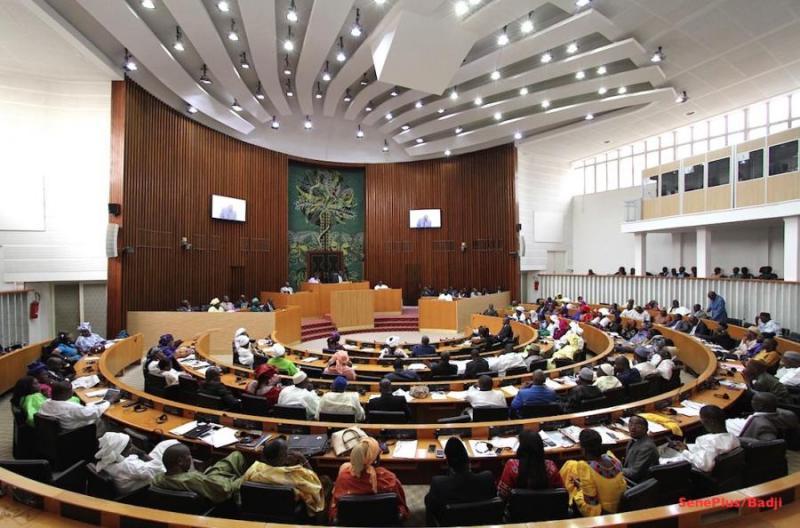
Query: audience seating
{"x": 674, "y": 480}
{"x": 459, "y": 418}
{"x": 154, "y": 384}
{"x": 289, "y": 412}
{"x": 727, "y": 475}
{"x": 100, "y": 484}
{"x": 368, "y": 510}
{"x": 526, "y": 505}
{"x": 269, "y": 503}
{"x": 177, "y": 501}
{"x": 765, "y": 460}
{"x": 209, "y": 401}
{"x": 638, "y": 391}
{"x": 472, "y": 513}
{"x": 489, "y": 414}
{"x": 592, "y": 404}
{"x": 24, "y": 436}
{"x": 188, "y": 387}
{"x": 539, "y": 364}
{"x": 540, "y": 410}
{"x": 63, "y": 448}
{"x": 72, "y": 478}
{"x": 387, "y": 417}
{"x": 644, "y": 495}
{"x": 516, "y": 371}
{"x": 255, "y": 405}
{"x": 337, "y": 417}
{"x": 616, "y": 396}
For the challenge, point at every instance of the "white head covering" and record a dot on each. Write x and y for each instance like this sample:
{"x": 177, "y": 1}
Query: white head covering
{"x": 520, "y": 308}
{"x": 215, "y": 300}
{"x": 603, "y": 311}
{"x": 242, "y": 340}
{"x": 392, "y": 341}
{"x": 576, "y": 328}
{"x": 299, "y": 377}
{"x": 607, "y": 369}
{"x": 111, "y": 447}
{"x": 278, "y": 350}
{"x": 85, "y": 326}
{"x": 554, "y": 318}
{"x": 240, "y": 332}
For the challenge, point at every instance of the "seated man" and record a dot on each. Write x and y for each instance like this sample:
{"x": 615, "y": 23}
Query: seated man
{"x": 170, "y": 374}
{"x": 476, "y": 364}
{"x": 767, "y": 422}
{"x": 625, "y": 374}
{"x": 490, "y": 311}
{"x": 484, "y": 395}
{"x": 185, "y": 306}
{"x": 534, "y": 394}
{"x": 213, "y": 386}
{"x": 641, "y": 453}
{"x": 506, "y": 333}
{"x": 280, "y": 362}
{"x": 71, "y": 415}
{"x": 769, "y": 354}
{"x": 400, "y": 373}
{"x": 281, "y": 468}
{"x": 606, "y": 379}
{"x": 759, "y": 380}
{"x": 217, "y": 484}
{"x": 443, "y": 367}
{"x": 129, "y": 468}
{"x": 300, "y": 394}
{"x": 706, "y": 448}
{"x": 767, "y": 326}
{"x": 584, "y": 390}
{"x": 381, "y": 286}
{"x": 388, "y": 401}
{"x": 339, "y": 400}
{"x": 65, "y": 347}
{"x": 424, "y": 348}
{"x": 789, "y": 371}
{"x": 596, "y": 484}
{"x": 460, "y": 485}
{"x": 87, "y": 339}
{"x": 215, "y": 306}
{"x": 392, "y": 349}
{"x": 287, "y": 288}
{"x": 750, "y": 344}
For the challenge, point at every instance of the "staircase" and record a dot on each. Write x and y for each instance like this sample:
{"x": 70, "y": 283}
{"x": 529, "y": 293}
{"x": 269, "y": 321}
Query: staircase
{"x": 322, "y": 327}
{"x": 316, "y": 328}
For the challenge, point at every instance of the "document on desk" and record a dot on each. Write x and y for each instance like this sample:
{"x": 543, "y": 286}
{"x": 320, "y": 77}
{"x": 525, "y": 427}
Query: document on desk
{"x": 610, "y": 436}
{"x": 686, "y": 411}
{"x": 183, "y": 429}
{"x": 405, "y": 449}
{"x": 457, "y": 395}
{"x": 510, "y": 442}
{"x": 509, "y": 390}
{"x": 96, "y": 394}
{"x": 417, "y": 366}
{"x": 85, "y": 382}
{"x": 91, "y": 359}
{"x": 309, "y": 359}
{"x": 221, "y": 437}
{"x": 573, "y": 432}
{"x": 555, "y": 439}
{"x": 552, "y": 384}
{"x": 438, "y": 395}
{"x": 733, "y": 385}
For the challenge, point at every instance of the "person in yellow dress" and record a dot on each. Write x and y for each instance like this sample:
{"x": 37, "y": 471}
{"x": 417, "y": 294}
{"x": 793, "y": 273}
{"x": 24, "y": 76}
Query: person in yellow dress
{"x": 596, "y": 484}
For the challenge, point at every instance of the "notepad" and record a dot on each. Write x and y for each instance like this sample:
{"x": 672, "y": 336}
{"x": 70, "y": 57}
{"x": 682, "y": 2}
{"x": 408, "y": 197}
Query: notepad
{"x": 610, "y": 436}
{"x": 85, "y": 382}
{"x": 733, "y": 385}
{"x": 510, "y": 442}
{"x": 438, "y": 395}
{"x": 552, "y": 384}
{"x": 417, "y": 366}
{"x": 183, "y": 429}
{"x": 457, "y": 395}
{"x": 573, "y": 432}
{"x": 686, "y": 411}
{"x": 405, "y": 449}
{"x": 221, "y": 437}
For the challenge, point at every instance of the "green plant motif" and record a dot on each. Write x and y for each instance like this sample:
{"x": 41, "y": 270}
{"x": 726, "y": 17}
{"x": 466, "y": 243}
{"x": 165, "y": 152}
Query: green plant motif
{"x": 325, "y": 201}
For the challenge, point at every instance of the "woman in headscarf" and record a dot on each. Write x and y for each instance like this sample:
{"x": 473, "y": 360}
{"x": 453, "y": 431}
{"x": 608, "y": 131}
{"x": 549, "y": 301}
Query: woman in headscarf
{"x": 128, "y": 468}
{"x": 333, "y": 342}
{"x": 65, "y": 347}
{"x": 266, "y": 384}
{"x": 234, "y": 346}
{"x": 392, "y": 350}
{"x": 280, "y": 362}
{"x": 606, "y": 379}
{"x": 28, "y": 398}
{"x": 243, "y": 351}
{"x": 39, "y": 370}
{"x": 87, "y": 339}
{"x": 596, "y": 484}
{"x": 362, "y": 476}
{"x": 215, "y": 305}
{"x": 340, "y": 365}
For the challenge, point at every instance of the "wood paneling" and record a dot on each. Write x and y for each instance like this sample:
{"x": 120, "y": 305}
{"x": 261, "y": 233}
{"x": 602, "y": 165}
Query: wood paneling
{"x": 306, "y": 300}
{"x": 389, "y": 300}
{"x": 353, "y": 309}
{"x": 750, "y": 192}
{"x": 783, "y": 187}
{"x": 437, "y": 315}
{"x": 172, "y": 166}
{"x": 718, "y": 197}
{"x": 476, "y": 195}
{"x": 14, "y": 365}
{"x": 694, "y": 201}
{"x": 323, "y": 292}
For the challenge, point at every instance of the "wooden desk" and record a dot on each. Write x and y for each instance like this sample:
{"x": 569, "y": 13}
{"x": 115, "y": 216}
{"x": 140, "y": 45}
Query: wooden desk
{"x": 353, "y": 309}
{"x": 14, "y": 365}
{"x": 323, "y": 292}
{"x": 456, "y": 315}
{"x": 306, "y": 300}
{"x": 738, "y": 332}
{"x": 389, "y": 301}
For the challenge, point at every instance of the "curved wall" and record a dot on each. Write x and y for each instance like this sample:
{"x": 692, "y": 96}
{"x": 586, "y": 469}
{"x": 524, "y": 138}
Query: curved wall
{"x": 165, "y": 166}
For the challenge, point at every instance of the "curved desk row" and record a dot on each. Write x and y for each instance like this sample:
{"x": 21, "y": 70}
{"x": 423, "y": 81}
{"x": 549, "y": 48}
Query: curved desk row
{"x": 14, "y": 364}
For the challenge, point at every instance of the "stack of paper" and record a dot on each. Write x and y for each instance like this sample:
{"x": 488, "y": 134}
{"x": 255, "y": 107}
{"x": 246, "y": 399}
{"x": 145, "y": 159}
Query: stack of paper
{"x": 183, "y": 429}
{"x": 687, "y": 411}
{"x": 85, "y": 382}
{"x": 573, "y": 432}
{"x": 610, "y": 436}
{"x": 417, "y": 366}
{"x": 309, "y": 359}
{"x": 221, "y": 437}
{"x": 733, "y": 385}
{"x": 552, "y": 384}
{"x": 438, "y": 395}
{"x": 405, "y": 449}
{"x": 553, "y": 439}
{"x": 96, "y": 394}
{"x": 510, "y": 442}
{"x": 509, "y": 390}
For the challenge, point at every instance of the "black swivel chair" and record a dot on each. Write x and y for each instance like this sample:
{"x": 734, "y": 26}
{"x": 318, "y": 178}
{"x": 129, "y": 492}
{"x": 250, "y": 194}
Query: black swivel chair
{"x": 337, "y": 417}
{"x": 209, "y": 401}
{"x": 592, "y": 404}
{"x": 540, "y": 410}
{"x": 387, "y": 417}
{"x": 489, "y": 414}
{"x": 368, "y": 510}
{"x": 154, "y": 384}
{"x": 526, "y": 505}
{"x": 472, "y": 513}
{"x": 641, "y": 496}
{"x": 539, "y": 364}
{"x": 638, "y": 391}
{"x": 765, "y": 460}
{"x": 727, "y": 475}
{"x": 674, "y": 480}
{"x": 255, "y": 405}
{"x": 63, "y": 448}
{"x": 100, "y": 484}
{"x": 72, "y": 478}
{"x": 177, "y": 501}
{"x": 616, "y": 396}
{"x": 289, "y": 412}
{"x": 269, "y": 503}
{"x": 24, "y": 436}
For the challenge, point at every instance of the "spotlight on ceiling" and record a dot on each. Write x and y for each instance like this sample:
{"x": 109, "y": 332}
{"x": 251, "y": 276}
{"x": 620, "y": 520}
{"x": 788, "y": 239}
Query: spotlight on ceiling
{"x": 191, "y": 109}
{"x": 453, "y": 94}
{"x": 495, "y": 75}
{"x": 404, "y": 128}
{"x": 340, "y": 56}
{"x": 204, "y": 78}
{"x": 388, "y": 116}
{"x": 498, "y": 116}
{"x": 602, "y": 90}
{"x": 178, "y": 46}
{"x": 393, "y": 93}
{"x": 545, "y": 104}
{"x": 458, "y": 130}
{"x": 243, "y": 61}
{"x": 527, "y": 25}
{"x": 385, "y": 147}
{"x": 461, "y": 8}
{"x": 326, "y": 73}
{"x": 356, "y": 30}
{"x": 418, "y": 104}
{"x": 129, "y": 64}
{"x": 289, "y": 92}
{"x": 658, "y": 55}
{"x": 148, "y": 4}
{"x": 502, "y": 39}
{"x": 223, "y": 6}
{"x": 682, "y": 97}
{"x": 440, "y": 111}
{"x": 291, "y": 14}
{"x": 582, "y": 3}
{"x": 621, "y": 90}
{"x": 288, "y": 44}
{"x": 523, "y": 90}
{"x": 347, "y": 96}
{"x": 420, "y": 141}
{"x": 364, "y": 80}
{"x": 259, "y": 91}
{"x": 601, "y": 70}
{"x": 380, "y": 2}
{"x": 447, "y": 152}
{"x": 275, "y": 123}
{"x": 517, "y": 135}
{"x": 589, "y": 117}
{"x": 546, "y": 57}
{"x": 369, "y": 107}
{"x": 580, "y": 75}
{"x": 307, "y": 124}
{"x": 232, "y": 34}
{"x": 474, "y": 2}
{"x": 359, "y": 133}
{"x": 236, "y": 106}
{"x": 318, "y": 94}
{"x": 478, "y": 101}
{"x": 572, "y": 48}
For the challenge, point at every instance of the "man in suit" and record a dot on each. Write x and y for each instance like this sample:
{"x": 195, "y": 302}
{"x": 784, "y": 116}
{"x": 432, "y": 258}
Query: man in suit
{"x": 584, "y": 390}
{"x": 641, "y": 452}
{"x": 388, "y": 401}
{"x": 769, "y": 423}
{"x": 490, "y": 311}
{"x": 444, "y": 367}
{"x": 401, "y": 374}
{"x": 460, "y": 485}
{"x": 424, "y": 348}
{"x": 476, "y": 364}
{"x": 506, "y": 334}
{"x": 213, "y": 386}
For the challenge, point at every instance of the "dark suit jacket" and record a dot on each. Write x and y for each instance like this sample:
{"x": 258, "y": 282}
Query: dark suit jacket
{"x": 421, "y": 350}
{"x": 441, "y": 369}
{"x": 403, "y": 375}
{"x": 771, "y": 426}
{"x": 475, "y": 366}
{"x": 506, "y": 334}
{"x": 388, "y": 403}
{"x": 579, "y": 393}
{"x": 218, "y": 389}
{"x": 640, "y": 455}
{"x": 458, "y": 488}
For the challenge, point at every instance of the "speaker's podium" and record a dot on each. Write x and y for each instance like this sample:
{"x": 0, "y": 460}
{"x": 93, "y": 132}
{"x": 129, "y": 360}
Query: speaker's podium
{"x": 352, "y": 305}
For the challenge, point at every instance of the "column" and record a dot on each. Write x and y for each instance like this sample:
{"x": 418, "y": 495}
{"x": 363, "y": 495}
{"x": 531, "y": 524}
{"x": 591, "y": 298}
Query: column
{"x": 677, "y": 250}
{"x": 704, "y": 268}
{"x": 791, "y": 248}
{"x": 640, "y": 252}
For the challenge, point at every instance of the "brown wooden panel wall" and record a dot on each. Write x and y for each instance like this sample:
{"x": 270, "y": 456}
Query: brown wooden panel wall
{"x": 476, "y": 195}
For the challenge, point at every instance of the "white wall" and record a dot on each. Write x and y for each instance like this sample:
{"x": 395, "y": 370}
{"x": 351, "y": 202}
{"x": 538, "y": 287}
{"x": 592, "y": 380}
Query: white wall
{"x": 59, "y": 132}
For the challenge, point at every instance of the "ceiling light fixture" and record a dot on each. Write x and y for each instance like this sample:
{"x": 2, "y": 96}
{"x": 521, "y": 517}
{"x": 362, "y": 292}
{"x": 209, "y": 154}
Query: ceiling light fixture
{"x": 191, "y": 109}
{"x": 517, "y": 135}
{"x": 307, "y": 124}
{"x": 580, "y": 75}
{"x": 178, "y": 46}
{"x": 275, "y": 123}
{"x": 502, "y": 39}
{"x": 682, "y": 97}
{"x": 458, "y": 130}
{"x": 393, "y": 93}
{"x": 461, "y": 8}
{"x": 287, "y": 68}
{"x": 546, "y": 57}
{"x": 388, "y": 116}
{"x": 341, "y": 57}
{"x": 318, "y": 94}
{"x": 527, "y": 25}
{"x": 232, "y": 34}
{"x": 404, "y": 128}
{"x": 582, "y": 3}
{"x": 385, "y": 147}
{"x": 243, "y": 60}
{"x": 420, "y": 141}
{"x": 289, "y": 92}
{"x": 418, "y": 104}
{"x": 288, "y": 44}
{"x": 523, "y": 90}
{"x": 347, "y": 96}
{"x": 601, "y": 70}
{"x": 572, "y": 48}
{"x": 380, "y": 2}
{"x": 474, "y": 2}
{"x": 359, "y": 133}
{"x": 478, "y": 101}
{"x": 447, "y": 152}
{"x": 495, "y": 75}
{"x": 236, "y": 106}
{"x": 129, "y": 64}
{"x": 589, "y": 117}
{"x": 658, "y": 55}
{"x": 453, "y": 94}
{"x": 204, "y": 78}
{"x": 148, "y": 4}
{"x": 364, "y": 80}
{"x": 621, "y": 90}
{"x": 545, "y": 104}
{"x": 259, "y": 91}
{"x": 357, "y": 29}
{"x": 498, "y": 116}
{"x": 326, "y": 73}
{"x": 291, "y": 14}
{"x": 440, "y": 111}
{"x": 369, "y": 107}
{"x": 602, "y": 90}
{"x": 223, "y": 6}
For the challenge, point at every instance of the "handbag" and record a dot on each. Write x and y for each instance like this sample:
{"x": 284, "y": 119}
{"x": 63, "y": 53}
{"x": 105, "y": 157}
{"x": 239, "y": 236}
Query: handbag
{"x": 419, "y": 392}
{"x": 344, "y": 440}
{"x": 308, "y": 444}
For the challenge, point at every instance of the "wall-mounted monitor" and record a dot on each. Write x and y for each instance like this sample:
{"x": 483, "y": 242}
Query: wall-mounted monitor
{"x": 227, "y": 208}
{"x": 424, "y": 218}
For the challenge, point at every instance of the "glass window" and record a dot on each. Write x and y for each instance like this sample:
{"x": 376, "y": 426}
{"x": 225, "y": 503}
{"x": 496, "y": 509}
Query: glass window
{"x": 736, "y": 121}
{"x": 684, "y": 151}
{"x": 693, "y": 177}
{"x": 733, "y": 139}
{"x": 612, "y": 174}
{"x": 652, "y": 159}
{"x": 667, "y": 155}
{"x": 700, "y": 130}
{"x": 638, "y": 167}
{"x": 638, "y": 147}
{"x": 783, "y": 158}
{"x": 627, "y": 150}
{"x": 625, "y": 172}
{"x": 600, "y": 177}
{"x": 669, "y": 183}
{"x": 796, "y": 104}
{"x": 652, "y": 143}
{"x": 757, "y": 115}
{"x": 716, "y": 143}
{"x": 719, "y": 172}
{"x": 717, "y": 126}
{"x": 611, "y": 154}
{"x": 653, "y": 183}
{"x": 755, "y": 133}
{"x": 700, "y": 147}
{"x": 778, "y": 127}
{"x": 667, "y": 140}
{"x": 683, "y": 135}
{"x": 779, "y": 109}
{"x": 750, "y": 165}
{"x": 577, "y": 180}
{"x": 588, "y": 178}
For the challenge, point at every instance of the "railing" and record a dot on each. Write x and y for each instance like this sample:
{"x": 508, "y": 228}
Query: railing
{"x": 744, "y": 299}
{"x": 14, "y": 317}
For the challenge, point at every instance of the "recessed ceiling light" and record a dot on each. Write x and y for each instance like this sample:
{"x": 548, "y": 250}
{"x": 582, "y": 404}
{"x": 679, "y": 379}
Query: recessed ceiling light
{"x": 546, "y": 57}
{"x": 356, "y": 30}
{"x": 393, "y": 93}
{"x": 275, "y": 123}
{"x": 289, "y": 92}
{"x": 589, "y": 117}
{"x": 527, "y": 25}
{"x": 288, "y": 44}
{"x": 498, "y": 116}
{"x": 453, "y": 94}
{"x": 307, "y": 124}
{"x": 380, "y": 2}
{"x": 602, "y": 90}
{"x": 440, "y": 111}
{"x": 389, "y": 116}
{"x": 364, "y": 80}
{"x": 418, "y": 104}
{"x": 420, "y": 140}
{"x": 259, "y": 91}
{"x": 129, "y": 64}
{"x": 682, "y": 97}
{"x": 405, "y": 127}
{"x": 369, "y": 107}
{"x": 502, "y": 39}
{"x": 359, "y": 133}
{"x": 601, "y": 70}
{"x": 291, "y": 14}
{"x": 326, "y": 73}
{"x": 178, "y": 46}
{"x": 385, "y": 147}
{"x": 223, "y": 6}
{"x": 236, "y": 106}
{"x": 204, "y": 78}
{"x": 572, "y": 48}
{"x": 474, "y": 2}
{"x": 658, "y": 55}
{"x": 580, "y": 75}
{"x": 461, "y": 8}
{"x": 582, "y": 3}
{"x": 340, "y": 56}
{"x": 243, "y": 61}
{"x": 621, "y": 90}
{"x": 347, "y": 96}
{"x": 191, "y": 109}
{"x": 447, "y": 152}
{"x": 545, "y": 104}
{"x": 478, "y": 101}
{"x": 523, "y": 90}
{"x": 495, "y": 75}
{"x": 148, "y": 4}
{"x": 518, "y": 135}
{"x": 459, "y": 130}
{"x": 232, "y": 34}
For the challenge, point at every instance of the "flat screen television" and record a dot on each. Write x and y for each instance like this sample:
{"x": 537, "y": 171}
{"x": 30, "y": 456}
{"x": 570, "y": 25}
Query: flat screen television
{"x": 424, "y": 218}
{"x": 227, "y": 208}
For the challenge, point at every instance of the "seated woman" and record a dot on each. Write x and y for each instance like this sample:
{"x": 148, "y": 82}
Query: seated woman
{"x": 333, "y": 342}
{"x": 392, "y": 350}
{"x": 65, "y": 347}
{"x": 87, "y": 339}
{"x": 128, "y": 467}
{"x": 362, "y": 476}
{"x": 569, "y": 345}
{"x": 595, "y": 485}
{"x": 244, "y": 352}
{"x": 529, "y": 469}
{"x": 235, "y": 347}
{"x": 339, "y": 365}
{"x": 39, "y": 370}
{"x": 266, "y": 384}
{"x": 27, "y": 398}
{"x": 280, "y": 362}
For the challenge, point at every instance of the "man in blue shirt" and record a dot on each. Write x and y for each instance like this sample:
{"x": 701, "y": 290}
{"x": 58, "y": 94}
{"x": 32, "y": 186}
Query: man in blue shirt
{"x": 536, "y": 394}
{"x": 625, "y": 374}
{"x": 716, "y": 307}
{"x": 424, "y": 348}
